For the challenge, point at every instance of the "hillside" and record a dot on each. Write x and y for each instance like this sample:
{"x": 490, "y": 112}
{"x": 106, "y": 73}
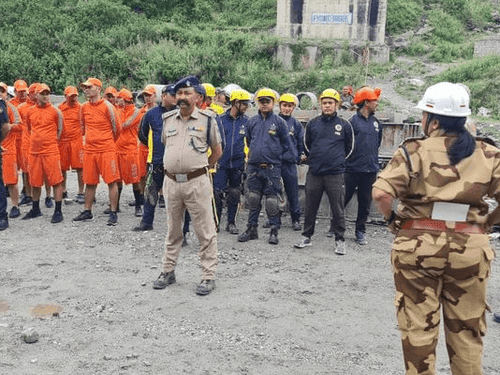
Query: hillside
{"x": 131, "y": 43}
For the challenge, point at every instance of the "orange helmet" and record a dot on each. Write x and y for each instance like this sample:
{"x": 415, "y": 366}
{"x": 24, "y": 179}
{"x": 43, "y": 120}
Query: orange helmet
{"x": 367, "y": 93}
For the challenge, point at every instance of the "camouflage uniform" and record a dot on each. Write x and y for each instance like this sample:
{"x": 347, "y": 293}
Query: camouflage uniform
{"x": 448, "y": 266}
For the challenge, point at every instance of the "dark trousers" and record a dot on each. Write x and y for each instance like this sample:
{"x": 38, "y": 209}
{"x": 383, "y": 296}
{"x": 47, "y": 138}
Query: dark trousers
{"x": 148, "y": 215}
{"x": 263, "y": 182}
{"x": 333, "y": 185}
{"x": 224, "y": 180}
{"x": 362, "y": 183}
{"x": 290, "y": 182}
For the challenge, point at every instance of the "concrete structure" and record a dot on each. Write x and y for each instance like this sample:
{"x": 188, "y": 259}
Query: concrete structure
{"x": 356, "y": 20}
{"x": 487, "y": 47}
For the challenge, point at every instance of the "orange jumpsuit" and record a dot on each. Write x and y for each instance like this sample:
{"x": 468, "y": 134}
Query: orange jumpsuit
{"x": 101, "y": 126}
{"x": 71, "y": 142}
{"x": 44, "y": 123}
{"x": 127, "y": 145}
{"x": 9, "y": 147}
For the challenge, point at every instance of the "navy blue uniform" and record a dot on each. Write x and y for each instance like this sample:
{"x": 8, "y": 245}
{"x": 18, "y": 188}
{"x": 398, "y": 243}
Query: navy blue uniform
{"x": 289, "y": 165}
{"x": 4, "y": 223}
{"x": 268, "y": 141}
{"x": 362, "y": 166}
{"x": 328, "y": 141}
{"x": 231, "y": 165}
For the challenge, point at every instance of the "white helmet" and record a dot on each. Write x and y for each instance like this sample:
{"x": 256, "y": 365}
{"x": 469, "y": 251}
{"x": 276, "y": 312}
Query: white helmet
{"x": 447, "y": 99}
{"x": 229, "y": 88}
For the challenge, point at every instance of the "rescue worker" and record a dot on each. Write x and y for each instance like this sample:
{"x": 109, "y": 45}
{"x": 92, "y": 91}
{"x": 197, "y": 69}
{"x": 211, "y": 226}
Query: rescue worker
{"x": 45, "y": 124}
{"x": 127, "y": 149}
{"x": 267, "y": 138}
{"x": 110, "y": 95}
{"x": 152, "y": 123}
{"x": 101, "y": 128}
{"x": 441, "y": 254}
{"x": 209, "y": 100}
{"x": 71, "y": 143}
{"x": 362, "y": 165}
{"x": 188, "y": 134}
{"x": 4, "y": 130}
{"x": 21, "y": 94}
{"x": 9, "y": 167}
{"x": 328, "y": 142}
{"x": 295, "y": 154}
{"x": 231, "y": 166}
{"x": 347, "y": 99}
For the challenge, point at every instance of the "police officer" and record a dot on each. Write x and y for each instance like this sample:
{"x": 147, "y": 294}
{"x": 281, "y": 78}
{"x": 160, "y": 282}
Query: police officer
{"x": 267, "y": 139}
{"x": 188, "y": 133}
{"x": 441, "y": 254}
{"x": 328, "y": 142}
{"x": 4, "y": 130}
{"x": 362, "y": 165}
{"x": 228, "y": 179}
{"x": 152, "y": 123}
{"x": 287, "y": 104}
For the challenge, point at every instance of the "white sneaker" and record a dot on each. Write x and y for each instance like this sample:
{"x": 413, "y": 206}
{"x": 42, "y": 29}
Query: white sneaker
{"x": 304, "y": 242}
{"x": 340, "y": 247}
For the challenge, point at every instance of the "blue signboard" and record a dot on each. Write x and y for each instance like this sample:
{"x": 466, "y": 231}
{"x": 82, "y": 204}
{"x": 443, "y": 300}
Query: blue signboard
{"x": 331, "y": 18}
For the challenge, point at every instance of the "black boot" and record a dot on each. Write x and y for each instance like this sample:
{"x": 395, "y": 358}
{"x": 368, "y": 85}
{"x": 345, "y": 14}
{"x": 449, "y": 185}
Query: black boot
{"x": 249, "y": 234}
{"x": 273, "y": 237}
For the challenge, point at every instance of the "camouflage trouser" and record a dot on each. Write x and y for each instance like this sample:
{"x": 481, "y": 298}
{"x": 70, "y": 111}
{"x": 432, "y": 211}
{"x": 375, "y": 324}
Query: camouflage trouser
{"x": 441, "y": 268}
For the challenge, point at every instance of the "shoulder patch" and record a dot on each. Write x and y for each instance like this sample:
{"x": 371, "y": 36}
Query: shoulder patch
{"x": 207, "y": 113}
{"x": 169, "y": 114}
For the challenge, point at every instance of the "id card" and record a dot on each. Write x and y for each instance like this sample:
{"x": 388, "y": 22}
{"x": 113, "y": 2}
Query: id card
{"x": 447, "y": 211}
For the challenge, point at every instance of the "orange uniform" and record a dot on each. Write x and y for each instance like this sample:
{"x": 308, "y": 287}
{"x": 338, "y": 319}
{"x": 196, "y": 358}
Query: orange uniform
{"x": 25, "y": 141}
{"x": 127, "y": 144}
{"x": 101, "y": 126}
{"x": 9, "y": 147}
{"x": 71, "y": 142}
{"x": 44, "y": 124}
{"x": 19, "y": 133}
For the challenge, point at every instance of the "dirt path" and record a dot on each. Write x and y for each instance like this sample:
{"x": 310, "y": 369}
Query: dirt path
{"x": 276, "y": 309}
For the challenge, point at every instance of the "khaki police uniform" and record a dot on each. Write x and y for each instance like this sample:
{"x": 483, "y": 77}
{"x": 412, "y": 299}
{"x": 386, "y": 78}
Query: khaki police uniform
{"x": 187, "y": 185}
{"x": 441, "y": 262}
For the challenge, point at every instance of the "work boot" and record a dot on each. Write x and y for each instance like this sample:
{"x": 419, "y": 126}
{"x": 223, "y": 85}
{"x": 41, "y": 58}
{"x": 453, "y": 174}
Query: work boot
{"x": 273, "y": 237}
{"x": 138, "y": 211}
{"x": 164, "y": 280}
{"x": 249, "y": 234}
{"x": 32, "y": 214}
{"x": 205, "y": 287}
{"x": 4, "y": 223}
{"x": 340, "y": 247}
{"x": 296, "y": 226}
{"x": 49, "y": 203}
{"x": 85, "y": 215}
{"x": 361, "y": 238}
{"x": 57, "y": 217}
{"x": 231, "y": 228}
{"x": 14, "y": 212}
{"x": 113, "y": 219}
{"x": 142, "y": 227}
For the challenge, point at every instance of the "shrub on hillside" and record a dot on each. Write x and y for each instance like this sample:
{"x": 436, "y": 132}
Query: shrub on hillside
{"x": 403, "y": 15}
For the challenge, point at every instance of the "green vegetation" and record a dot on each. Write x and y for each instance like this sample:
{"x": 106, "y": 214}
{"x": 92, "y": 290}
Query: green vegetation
{"x": 134, "y": 42}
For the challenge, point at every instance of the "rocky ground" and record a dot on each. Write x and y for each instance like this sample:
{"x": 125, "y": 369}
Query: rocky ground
{"x": 86, "y": 289}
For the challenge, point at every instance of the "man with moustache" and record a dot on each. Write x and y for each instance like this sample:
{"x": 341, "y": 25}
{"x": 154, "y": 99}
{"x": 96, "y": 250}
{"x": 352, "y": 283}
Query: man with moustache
{"x": 188, "y": 134}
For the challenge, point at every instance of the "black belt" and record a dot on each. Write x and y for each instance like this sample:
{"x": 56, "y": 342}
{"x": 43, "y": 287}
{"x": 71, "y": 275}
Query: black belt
{"x": 179, "y": 177}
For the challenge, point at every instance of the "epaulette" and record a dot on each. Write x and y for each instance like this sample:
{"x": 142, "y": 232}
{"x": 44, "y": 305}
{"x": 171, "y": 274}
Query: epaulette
{"x": 487, "y": 140}
{"x": 169, "y": 114}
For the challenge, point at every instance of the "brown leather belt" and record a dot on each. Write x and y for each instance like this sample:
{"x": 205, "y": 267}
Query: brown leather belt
{"x": 441, "y": 226}
{"x": 178, "y": 177}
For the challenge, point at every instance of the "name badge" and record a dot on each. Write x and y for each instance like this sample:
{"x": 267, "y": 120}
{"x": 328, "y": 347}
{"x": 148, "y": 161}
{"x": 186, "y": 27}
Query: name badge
{"x": 447, "y": 211}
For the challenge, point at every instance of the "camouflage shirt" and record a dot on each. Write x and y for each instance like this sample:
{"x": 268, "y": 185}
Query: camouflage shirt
{"x": 435, "y": 180}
